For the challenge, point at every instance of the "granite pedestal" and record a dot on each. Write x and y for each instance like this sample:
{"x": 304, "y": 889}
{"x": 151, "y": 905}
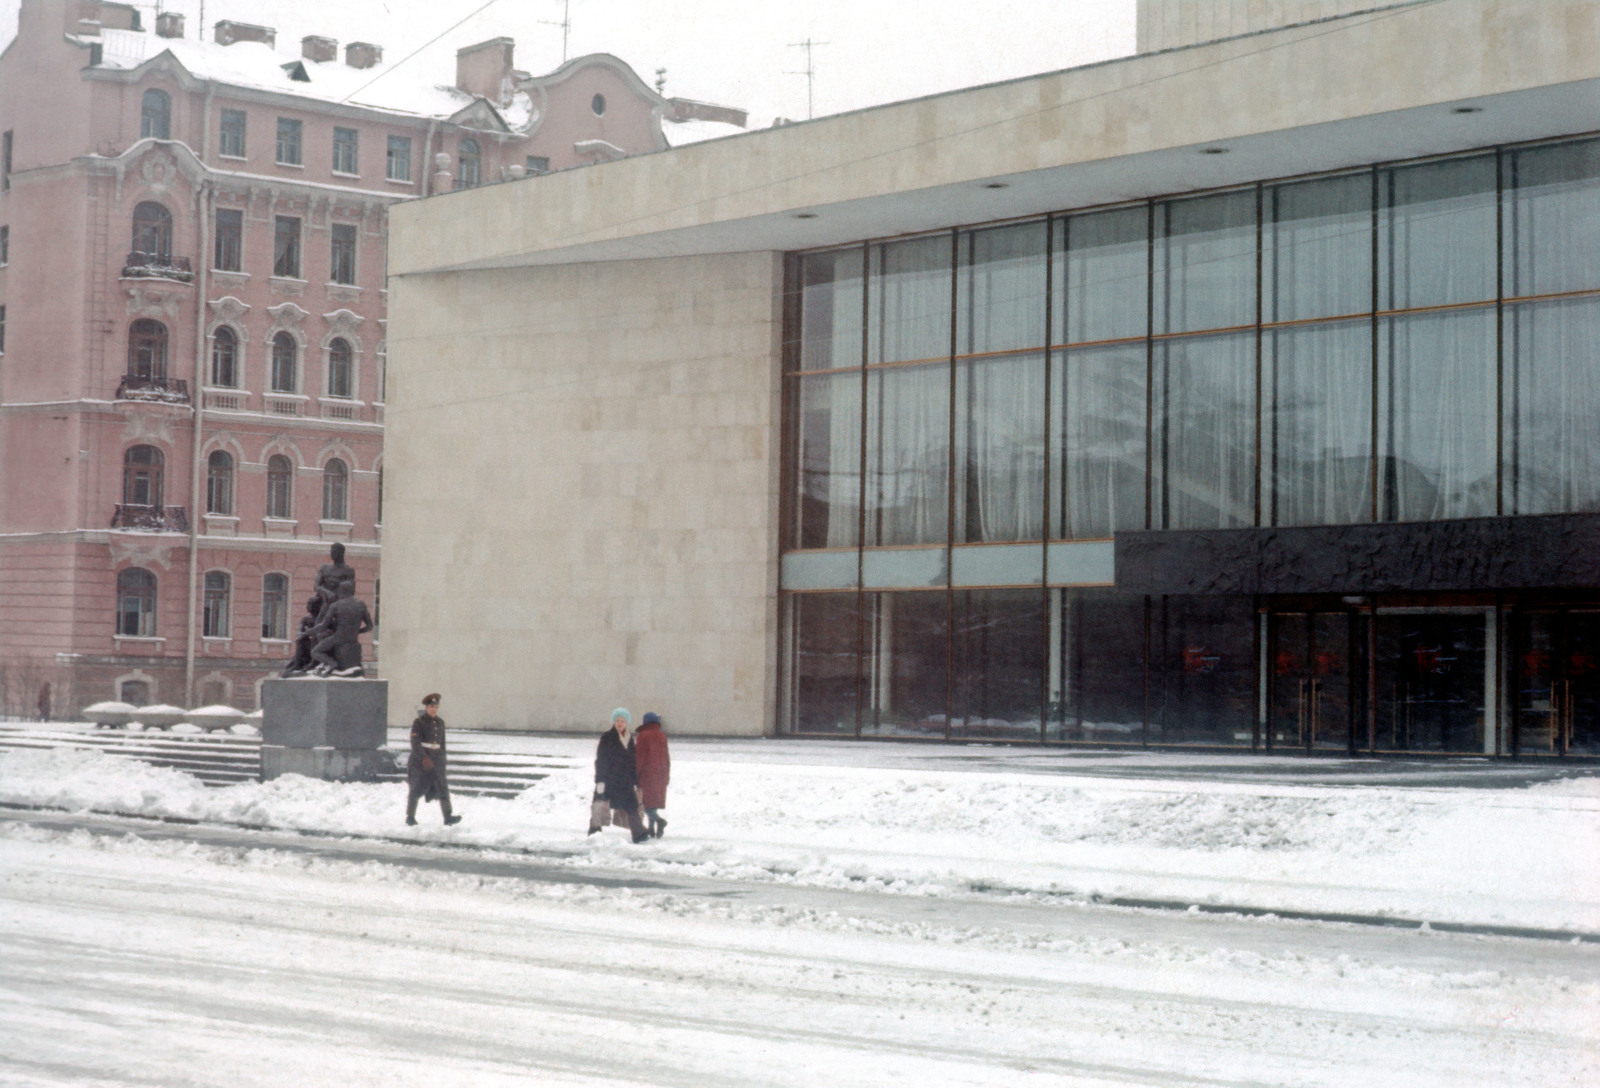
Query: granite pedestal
{"x": 329, "y": 729}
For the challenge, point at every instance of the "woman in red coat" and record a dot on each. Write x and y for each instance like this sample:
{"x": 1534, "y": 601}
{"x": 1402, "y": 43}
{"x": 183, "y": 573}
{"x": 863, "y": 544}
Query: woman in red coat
{"x": 655, "y": 768}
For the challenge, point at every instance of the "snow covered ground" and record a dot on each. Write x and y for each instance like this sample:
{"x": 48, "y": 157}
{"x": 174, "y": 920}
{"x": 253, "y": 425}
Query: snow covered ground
{"x": 919, "y": 918}
{"x": 904, "y": 823}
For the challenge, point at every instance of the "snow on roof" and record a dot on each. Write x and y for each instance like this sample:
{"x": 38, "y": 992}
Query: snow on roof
{"x": 257, "y": 65}
{"x": 679, "y": 133}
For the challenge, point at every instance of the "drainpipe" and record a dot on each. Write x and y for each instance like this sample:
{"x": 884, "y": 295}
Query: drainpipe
{"x": 203, "y": 206}
{"x": 427, "y": 160}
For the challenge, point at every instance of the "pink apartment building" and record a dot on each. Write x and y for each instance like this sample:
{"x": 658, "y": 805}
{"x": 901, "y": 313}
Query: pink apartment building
{"x": 192, "y": 314}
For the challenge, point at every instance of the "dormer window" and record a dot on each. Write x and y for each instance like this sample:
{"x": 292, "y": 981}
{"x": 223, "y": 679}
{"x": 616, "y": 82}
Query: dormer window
{"x": 155, "y": 116}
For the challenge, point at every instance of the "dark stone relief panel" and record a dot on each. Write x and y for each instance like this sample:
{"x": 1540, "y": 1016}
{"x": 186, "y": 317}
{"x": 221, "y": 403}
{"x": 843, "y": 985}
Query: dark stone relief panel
{"x": 1468, "y": 554}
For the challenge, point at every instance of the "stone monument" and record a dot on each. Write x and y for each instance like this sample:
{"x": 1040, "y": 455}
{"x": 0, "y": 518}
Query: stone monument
{"x": 329, "y": 729}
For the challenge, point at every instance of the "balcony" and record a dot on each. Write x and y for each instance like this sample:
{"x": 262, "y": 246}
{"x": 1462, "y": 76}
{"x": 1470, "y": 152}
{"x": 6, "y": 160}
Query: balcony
{"x": 160, "y": 390}
{"x": 151, "y": 519}
{"x": 158, "y": 266}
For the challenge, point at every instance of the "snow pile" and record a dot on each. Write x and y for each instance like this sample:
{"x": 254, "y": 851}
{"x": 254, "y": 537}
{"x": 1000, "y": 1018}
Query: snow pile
{"x": 1507, "y": 857}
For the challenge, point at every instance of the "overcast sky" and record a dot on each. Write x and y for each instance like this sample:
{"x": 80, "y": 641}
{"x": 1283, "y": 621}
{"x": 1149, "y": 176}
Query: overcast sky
{"x": 735, "y": 52}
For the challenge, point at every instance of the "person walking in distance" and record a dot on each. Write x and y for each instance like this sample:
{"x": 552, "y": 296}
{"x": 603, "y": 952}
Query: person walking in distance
{"x": 425, "y": 770}
{"x": 655, "y": 768}
{"x": 616, "y": 778}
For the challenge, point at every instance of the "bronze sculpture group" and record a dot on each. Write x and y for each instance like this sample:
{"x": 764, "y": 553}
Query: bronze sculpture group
{"x": 329, "y": 640}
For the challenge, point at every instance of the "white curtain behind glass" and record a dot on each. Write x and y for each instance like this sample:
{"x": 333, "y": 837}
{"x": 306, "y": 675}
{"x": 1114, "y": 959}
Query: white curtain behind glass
{"x": 908, "y": 448}
{"x": 999, "y": 491}
{"x": 1205, "y": 400}
{"x": 1553, "y": 353}
{"x": 909, "y": 300}
{"x": 1100, "y": 411}
{"x": 1000, "y": 289}
{"x": 1436, "y": 410}
{"x": 1319, "y": 382}
{"x": 1553, "y": 348}
{"x": 830, "y": 459}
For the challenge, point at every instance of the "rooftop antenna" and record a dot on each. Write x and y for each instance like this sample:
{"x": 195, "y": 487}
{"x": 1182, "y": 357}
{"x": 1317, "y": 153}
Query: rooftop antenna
{"x": 565, "y": 24}
{"x": 810, "y": 72}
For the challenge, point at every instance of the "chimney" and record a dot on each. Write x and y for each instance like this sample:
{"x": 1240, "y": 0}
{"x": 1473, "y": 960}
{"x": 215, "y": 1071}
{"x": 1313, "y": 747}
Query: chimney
{"x": 169, "y": 24}
{"x": 485, "y": 70}
{"x": 313, "y": 47}
{"x": 363, "y": 55}
{"x": 229, "y": 32}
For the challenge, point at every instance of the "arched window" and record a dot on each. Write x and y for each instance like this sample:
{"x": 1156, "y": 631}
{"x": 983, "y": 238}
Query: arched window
{"x": 283, "y": 363}
{"x": 275, "y": 606}
{"x": 219, "y": 483}
{"x": 470, "y": 165}
{"x": 335, "y": 491}
{"x": 152, "y": 230}
{"x": 134, "y": 692}
{"x": 280, "y": 486}
{"x": 141, "y": 476}
{"x": 598, "y": 104}
{"x": 224, "y": 358}
{"x": 136, "y": 603}
{"x": 147, "y": 350}
{"x": 214, "y": 608}
{"x": 155, "y": 116}
{"x": 339, "y": 383}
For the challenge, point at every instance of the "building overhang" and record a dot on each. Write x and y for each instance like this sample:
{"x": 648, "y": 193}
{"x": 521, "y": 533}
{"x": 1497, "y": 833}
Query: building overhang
{"x": 1398, "y": 84}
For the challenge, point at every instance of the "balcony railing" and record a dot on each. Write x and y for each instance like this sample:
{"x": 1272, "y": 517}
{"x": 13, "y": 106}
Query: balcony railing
{"x": 151, "y": 519}
{"x": 168, "y": 390}
{"x": 226, "y": 402}
{"x": 162, "y": 265}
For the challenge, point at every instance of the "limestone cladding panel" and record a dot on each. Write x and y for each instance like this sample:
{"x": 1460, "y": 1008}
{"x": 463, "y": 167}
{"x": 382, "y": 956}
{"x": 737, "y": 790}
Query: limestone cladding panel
{"x": 584, "y": 485}
{"x": 1400, "y": 59}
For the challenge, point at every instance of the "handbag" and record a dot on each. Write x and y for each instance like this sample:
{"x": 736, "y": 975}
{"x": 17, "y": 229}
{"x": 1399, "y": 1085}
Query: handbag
{"x": 599, "y": 813}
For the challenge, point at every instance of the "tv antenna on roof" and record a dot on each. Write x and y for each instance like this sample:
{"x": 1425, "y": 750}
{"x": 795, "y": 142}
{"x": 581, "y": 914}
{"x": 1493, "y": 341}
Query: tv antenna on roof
{"x": 565, "y": 24}
{"x": 810, "y": 71}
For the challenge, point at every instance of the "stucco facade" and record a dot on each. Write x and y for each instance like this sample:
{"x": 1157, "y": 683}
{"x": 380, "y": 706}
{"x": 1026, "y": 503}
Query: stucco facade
{"x": 1356, "y": 93}
{"x": 192, "y": 384}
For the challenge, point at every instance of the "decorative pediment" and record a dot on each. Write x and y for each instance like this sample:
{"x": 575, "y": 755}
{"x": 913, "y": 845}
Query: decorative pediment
{"x": 287, "y": 317}
{"x": 140, "y": 550}
{"x": 228, "y": 310}
{"x": 481, "y": 116}
{"x": 345, "y": 323}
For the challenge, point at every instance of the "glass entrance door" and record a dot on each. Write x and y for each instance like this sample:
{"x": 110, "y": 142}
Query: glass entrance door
{"x": 1557, "y": 672}
{"x": 1309, "y": 703}
{"x": 1432, "y": 692}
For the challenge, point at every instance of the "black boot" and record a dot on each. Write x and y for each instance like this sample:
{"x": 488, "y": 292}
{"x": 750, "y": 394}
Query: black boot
{"x": 660, "y": 826}
{"x": 452, "y": 820}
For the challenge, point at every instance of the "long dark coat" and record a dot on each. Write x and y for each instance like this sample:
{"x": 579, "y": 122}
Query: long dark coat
{"x": 614, "y": 768}
{"x": 426, "y": 782}
{"x": 654, "y": 765}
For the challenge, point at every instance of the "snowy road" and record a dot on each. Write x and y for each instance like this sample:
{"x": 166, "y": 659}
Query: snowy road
{"x": 137, "y": 961}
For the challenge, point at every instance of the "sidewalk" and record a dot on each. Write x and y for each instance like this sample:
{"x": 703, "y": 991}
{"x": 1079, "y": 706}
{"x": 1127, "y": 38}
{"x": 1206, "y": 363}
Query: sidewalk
{"x": 1480, "y": 843}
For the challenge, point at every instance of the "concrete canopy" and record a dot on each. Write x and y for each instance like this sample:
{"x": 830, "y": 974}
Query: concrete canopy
{"x": 1420, "y": 80}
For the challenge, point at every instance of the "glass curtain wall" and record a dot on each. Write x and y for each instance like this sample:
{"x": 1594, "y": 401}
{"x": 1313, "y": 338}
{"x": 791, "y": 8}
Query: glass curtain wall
{"x": 1551, "y": 256}
{"x": 1437, "y": 380}
{"x": 1403, "y": 342}
{"x": 1203, "y": 316}
{"x": 1097, "y": 379}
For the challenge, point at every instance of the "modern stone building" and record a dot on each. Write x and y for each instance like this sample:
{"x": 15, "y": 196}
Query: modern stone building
{"x": 192, "y": 322}
{"x": 1244, "y": 392}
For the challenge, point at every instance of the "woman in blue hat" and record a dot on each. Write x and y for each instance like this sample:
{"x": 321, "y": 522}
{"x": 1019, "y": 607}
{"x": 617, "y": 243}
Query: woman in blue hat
{"x": 616, "y": 778}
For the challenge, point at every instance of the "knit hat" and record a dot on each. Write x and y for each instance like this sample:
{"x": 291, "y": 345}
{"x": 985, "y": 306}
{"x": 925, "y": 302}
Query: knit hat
{"x": 650, "y": 718}
{"x": 622, "y": 712}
